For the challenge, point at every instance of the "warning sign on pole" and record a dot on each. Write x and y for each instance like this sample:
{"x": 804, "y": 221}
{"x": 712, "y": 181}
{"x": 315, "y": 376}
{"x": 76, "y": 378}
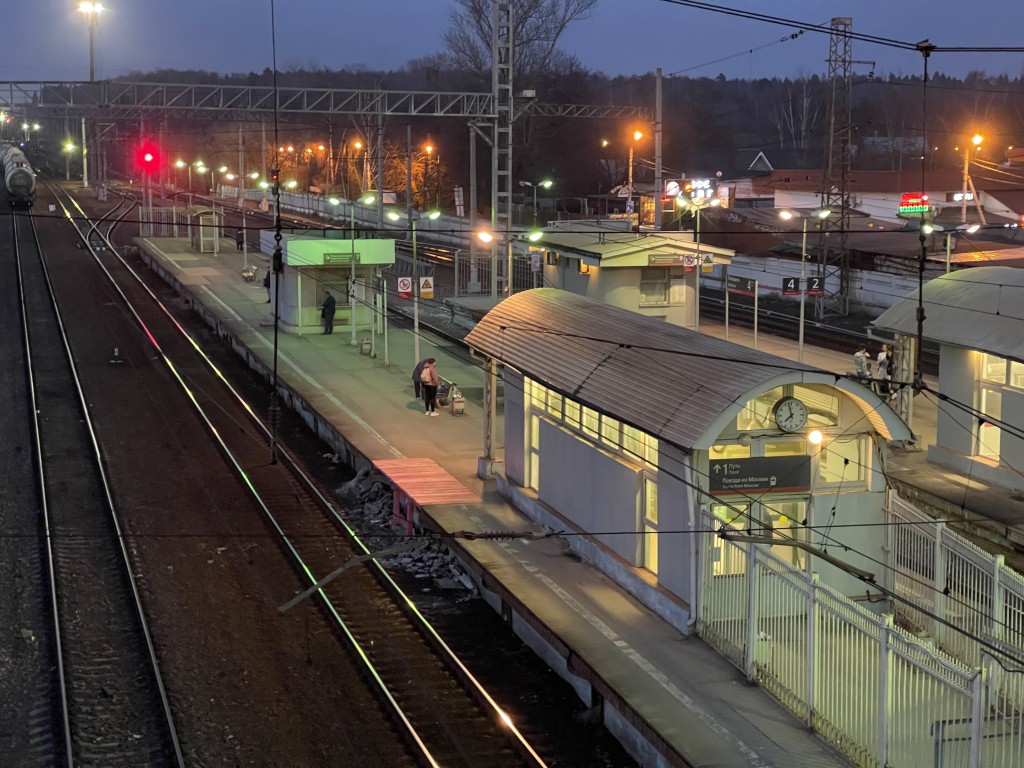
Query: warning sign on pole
{"x": 405, "y": 287}
{"x": 426, "y": 287}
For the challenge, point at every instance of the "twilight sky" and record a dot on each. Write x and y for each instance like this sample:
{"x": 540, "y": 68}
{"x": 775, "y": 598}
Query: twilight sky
{"x": 48, "y": 39}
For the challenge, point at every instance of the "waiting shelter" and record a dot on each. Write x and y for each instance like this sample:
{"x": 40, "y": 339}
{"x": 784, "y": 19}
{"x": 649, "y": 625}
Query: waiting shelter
{"x": 634, "y": 435}
{"x": 316, "y": 261}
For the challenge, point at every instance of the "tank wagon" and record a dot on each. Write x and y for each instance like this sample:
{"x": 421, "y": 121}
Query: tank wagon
{"x": 19, "y": 178}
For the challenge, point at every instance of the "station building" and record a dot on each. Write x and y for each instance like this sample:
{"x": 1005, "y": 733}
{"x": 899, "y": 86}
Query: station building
{"x": 652, "y": 274}
{"x": 977, "y": 317}
{"x": 636, "y": 436}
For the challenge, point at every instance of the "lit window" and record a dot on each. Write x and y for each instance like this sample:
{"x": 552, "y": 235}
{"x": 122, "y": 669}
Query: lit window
{"x": 651, "y": 450}
{"x": 632, "y": 442}
{"x": 993, "y": 368}
{"x": 590, "y": 421}
{"x": 730, "y": 451}
{"x": 572, "y": 413}
{"x": 610, "y": 431}
{"x": 555, "y": 404}
{"x": 843, "y": 463}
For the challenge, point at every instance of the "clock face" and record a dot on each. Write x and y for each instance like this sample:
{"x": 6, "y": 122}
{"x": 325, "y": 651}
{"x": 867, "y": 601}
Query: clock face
{"x": 790, "y": 414}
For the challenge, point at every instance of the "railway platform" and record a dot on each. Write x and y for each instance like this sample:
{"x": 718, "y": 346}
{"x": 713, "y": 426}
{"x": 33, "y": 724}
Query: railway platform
{"x": 677, "y": 700}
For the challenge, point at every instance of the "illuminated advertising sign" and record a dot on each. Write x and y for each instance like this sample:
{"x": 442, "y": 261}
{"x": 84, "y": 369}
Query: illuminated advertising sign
{"x": 700, "y": 189}
{"x": 913, "y": 203}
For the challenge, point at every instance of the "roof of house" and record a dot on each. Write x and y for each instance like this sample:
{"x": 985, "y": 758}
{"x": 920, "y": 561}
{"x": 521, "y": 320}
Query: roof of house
{"x": 678, "y": 385}
{"x": 892, "y": 182}
{"x": 604, "y": 244}
{"x": 980, "y": 308}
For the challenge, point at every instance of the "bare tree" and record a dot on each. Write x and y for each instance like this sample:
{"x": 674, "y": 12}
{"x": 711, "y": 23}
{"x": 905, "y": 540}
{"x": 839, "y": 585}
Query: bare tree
{"x": 537, "y": 26}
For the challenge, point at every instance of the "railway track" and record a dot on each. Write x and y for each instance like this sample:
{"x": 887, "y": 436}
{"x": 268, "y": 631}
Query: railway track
{"x": 98, "y": 695}
{"x": 426, "y": 699}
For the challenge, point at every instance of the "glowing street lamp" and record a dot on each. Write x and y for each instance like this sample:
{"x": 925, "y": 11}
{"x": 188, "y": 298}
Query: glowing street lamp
{"x": 821, "y": 213}
{"x": 637, "y": 135}
{"x": 546, "y": 184}
{"x": 92, "y": 13}
{"x": 976, "y": 140}
{"x": 695, "y": 205}
{"x": 68, "y": 149}
{"x": 395, "y": 216}
{"x": 970, "y": 229}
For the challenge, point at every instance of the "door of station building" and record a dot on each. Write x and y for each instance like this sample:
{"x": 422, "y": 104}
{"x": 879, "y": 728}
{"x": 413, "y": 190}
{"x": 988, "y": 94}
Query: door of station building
{"x": 783, "y": 518}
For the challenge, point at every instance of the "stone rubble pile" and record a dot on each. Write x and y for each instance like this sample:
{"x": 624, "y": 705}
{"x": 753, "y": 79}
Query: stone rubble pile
{"x": 368, "y": 502}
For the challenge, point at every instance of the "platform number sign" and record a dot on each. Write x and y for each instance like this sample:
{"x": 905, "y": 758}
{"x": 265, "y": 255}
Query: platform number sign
{"x": 816, "y": 286}
{"x": 790, "y": 286}
{"x": 405, "y": 287}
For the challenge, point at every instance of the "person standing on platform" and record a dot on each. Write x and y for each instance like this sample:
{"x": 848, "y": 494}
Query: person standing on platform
{"x": 327, "y": 312}
{"x": 429, "y": 382}
{"x": 892, "y": 365}
{"x": 882, "y": 370}
{"x": 239, "y": 239}
{"x": 862, "y": 363}
{"x": 416, "y": 382}
{"x": 266, "y": 284}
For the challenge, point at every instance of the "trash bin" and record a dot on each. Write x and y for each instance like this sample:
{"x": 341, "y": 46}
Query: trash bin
{"x": 365, "y": 347}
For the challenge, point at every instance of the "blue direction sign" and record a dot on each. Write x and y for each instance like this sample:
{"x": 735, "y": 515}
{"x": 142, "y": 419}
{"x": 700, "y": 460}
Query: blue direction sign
{"x": 777, "y": 474}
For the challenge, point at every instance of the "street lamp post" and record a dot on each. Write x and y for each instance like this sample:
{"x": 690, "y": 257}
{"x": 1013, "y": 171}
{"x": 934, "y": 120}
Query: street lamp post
{"x": 68, "y": 149}
{"x": 929, "y": 228}
{"x": 821, "y": 213}
{"x": 546, "y": 184}
{"x": 695, "y": 205}
{"x": 976, "y": 140}
{"x": 394, "y": 216}
{"x": 637, "y": 135}
{"x": 92, "y": 13}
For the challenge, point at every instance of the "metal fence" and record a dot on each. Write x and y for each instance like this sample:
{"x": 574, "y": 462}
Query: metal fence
{"x": 473, "y": 272}
{"x": 945, "y": 578}
{"x": 881, "y": 695}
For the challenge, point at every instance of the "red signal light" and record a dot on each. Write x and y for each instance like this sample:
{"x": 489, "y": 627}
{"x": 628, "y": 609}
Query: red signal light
{"x": 148, "y": 158}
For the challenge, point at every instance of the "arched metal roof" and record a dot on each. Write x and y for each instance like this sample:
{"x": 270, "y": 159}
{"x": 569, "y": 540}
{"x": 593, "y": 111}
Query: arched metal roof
{"x": 978, "y": 308}
{"x": 676, "y": 384}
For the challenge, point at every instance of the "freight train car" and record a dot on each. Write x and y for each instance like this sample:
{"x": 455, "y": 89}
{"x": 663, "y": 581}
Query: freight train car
{"x": 19, "y": 178}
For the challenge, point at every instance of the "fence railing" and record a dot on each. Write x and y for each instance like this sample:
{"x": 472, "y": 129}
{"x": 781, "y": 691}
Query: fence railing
{"x": 881, "y": 695}
{"x": 948, "y": 580}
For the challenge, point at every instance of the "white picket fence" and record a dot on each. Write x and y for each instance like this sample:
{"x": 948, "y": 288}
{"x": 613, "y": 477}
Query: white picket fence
{"x": 879, "y": 693}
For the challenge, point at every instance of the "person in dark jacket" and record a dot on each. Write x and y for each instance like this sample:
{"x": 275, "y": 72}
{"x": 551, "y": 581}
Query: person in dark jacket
{"x": 327, "y": 312}
{"x": 416, "y": 381}
{"x": 239, "y": 239}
